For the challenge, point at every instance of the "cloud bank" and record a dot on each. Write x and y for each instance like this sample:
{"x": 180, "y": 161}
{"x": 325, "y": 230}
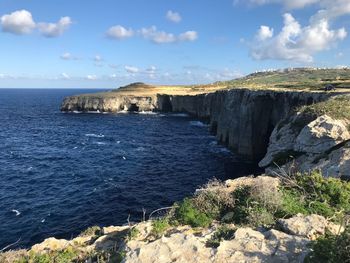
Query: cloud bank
{"x": 21, "y": 22}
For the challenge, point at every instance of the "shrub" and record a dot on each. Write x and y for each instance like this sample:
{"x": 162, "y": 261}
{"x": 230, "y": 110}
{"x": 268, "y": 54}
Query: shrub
{"x": 312, "y": 193}
{"x": 260, "y": 216}
{"x": 132, "y": 234}
{"x": 331, "y": 249}
{"x": 213, "y": 199}
{"x": 160, "y": 226}
{"x": 292, "y": 203}
{"x": 91, "y": 231}
{"x": 63, "y": 256}
{"x": 187, "y": 214}
{"x": 222, "y": 233}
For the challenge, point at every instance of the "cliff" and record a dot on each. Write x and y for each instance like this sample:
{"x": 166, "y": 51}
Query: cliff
{"x": 242, "y": 119}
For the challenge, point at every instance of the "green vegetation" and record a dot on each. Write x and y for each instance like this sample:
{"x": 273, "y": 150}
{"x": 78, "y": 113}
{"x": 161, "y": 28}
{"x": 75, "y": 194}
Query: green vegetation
{"x": 224, "y": 232}
{"x": 337, "y": 108}
{"x": 302, "y": 78}
{"x": 187, "y": 214}
{"x": 132, "y": 234}
{"x": 160, "y": 226}
{"x": 261, "y": 204}
{"x": 331, "y": 249}
{"x": 64, "y": 256}
{"x": 95, "y": 231}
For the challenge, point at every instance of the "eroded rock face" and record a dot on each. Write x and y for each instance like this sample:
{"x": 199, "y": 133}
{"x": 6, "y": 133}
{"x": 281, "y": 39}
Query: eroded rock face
{"x": 115, "y": 103}
{"x": 311, "y": 226}
{"x": 321, "y": 135}
{"x": 310, "y": 144}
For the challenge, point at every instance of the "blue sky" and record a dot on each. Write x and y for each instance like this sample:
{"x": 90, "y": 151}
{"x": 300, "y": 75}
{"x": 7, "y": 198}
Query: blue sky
{"x": 108, "y": 43}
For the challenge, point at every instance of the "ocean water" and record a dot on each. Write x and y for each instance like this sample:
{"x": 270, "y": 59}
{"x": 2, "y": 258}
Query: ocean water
{"x": 61, "y": 173}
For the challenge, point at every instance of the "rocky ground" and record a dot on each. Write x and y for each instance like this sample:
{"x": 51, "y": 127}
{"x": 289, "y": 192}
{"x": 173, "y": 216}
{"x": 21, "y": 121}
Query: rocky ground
{"x": 287, "y": 241}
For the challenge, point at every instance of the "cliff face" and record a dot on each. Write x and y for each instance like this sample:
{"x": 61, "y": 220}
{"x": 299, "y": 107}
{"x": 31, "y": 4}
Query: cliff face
{"x": 242, "y": 119}
{"x": 114, "y": 103}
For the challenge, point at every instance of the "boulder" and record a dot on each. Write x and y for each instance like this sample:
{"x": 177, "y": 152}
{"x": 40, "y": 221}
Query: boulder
{"x": 321, "y": 135}
{"x": 50, "y": 244}
{"x": 311, "y": 226}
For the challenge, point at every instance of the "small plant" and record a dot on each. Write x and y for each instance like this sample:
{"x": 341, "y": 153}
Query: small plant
{"x": 331, "y": 249}
{"x": 187, "y": 214}
{"x": 213, "y": 199}
{"x": 132, "y": 234}
{"x": 63, "y": 256}
{"x": 91, "y": 231}
{"x": 222, "y": 233}
{"x": 160, "y": 226}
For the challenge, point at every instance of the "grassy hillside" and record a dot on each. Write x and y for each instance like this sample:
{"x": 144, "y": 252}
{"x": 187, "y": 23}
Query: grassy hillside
{"x": 300, "y": 78}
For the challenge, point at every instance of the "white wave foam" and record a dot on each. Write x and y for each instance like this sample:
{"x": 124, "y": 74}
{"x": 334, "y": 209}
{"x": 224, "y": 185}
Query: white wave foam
{"x": 77, "y": 112}
{"x": 148, "y": 112}
{"x": 94, "y": 135}
{"x": 94, "y": 112}
{"x": 198, "y": 124}
{"x": 100, "y": 143}
{"x": 16, "y": 212}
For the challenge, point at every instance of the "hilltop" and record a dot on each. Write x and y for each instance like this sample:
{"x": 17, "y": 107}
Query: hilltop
{"x": 294, "y": 78}
{"x": 303, "y": 79}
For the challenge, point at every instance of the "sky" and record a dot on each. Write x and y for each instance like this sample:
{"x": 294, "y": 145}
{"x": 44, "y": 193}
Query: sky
{"x": 109, "y": 43}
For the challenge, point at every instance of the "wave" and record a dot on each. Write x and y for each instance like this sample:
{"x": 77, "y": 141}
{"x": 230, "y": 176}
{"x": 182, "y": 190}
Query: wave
{"x": 16, "y": 212}
{"x": 147, "y": 112}
{"x": 198, "y": 124}
{"x": 100, "y": 143}
{"x": 94, "y": 135}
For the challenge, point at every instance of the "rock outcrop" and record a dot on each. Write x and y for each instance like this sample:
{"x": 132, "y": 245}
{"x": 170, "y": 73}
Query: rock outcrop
{"x": 305, "y": 143}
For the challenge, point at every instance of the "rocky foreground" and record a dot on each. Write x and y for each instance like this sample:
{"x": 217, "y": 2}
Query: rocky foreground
{"x": 286, "y": 240}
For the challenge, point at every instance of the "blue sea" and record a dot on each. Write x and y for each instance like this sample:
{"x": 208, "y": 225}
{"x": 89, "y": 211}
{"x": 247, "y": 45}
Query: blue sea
{"x": 61, "y": 173}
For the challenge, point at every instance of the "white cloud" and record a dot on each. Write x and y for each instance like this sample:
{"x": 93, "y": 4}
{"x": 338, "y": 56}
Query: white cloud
{"x": 91, "y": 77}
{"x": 188, "y": 36}
{"x": 68, "y": 56}
{"x": 156, "y": 36}
{"x": 297, "y": 43}
{"x": 19, "y": 22}
{"x": 161, "y": 37}
{"x": 55, "y": 29}
{"x": 65, "y": 76}
{"x": 264, "y": 33}
{"x": 173, "y": 16}
{"x": 131, "y": 69}
{"x": 289, "y": 4}
{"x": 98, "y": 58}
{"x": 119, "y": 32}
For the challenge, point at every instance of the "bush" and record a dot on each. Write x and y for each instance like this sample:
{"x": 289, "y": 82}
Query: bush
{"x": 331, "y": 249}
{"x": 312, "y": 193}
{"x": 213, "y": 199}
{"x": 187, "y": 214}
{"x": 222, "y": 233}
{"x": 159, "y": 227}
{"x": 292, "y": 203}
{"x": 132, "y": 234}
{"x": 91, "y": 231}
{"x": 64, "y": 256}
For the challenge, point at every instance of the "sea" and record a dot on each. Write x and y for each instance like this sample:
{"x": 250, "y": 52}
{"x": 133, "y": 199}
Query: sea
{"x": 63, "y": 172}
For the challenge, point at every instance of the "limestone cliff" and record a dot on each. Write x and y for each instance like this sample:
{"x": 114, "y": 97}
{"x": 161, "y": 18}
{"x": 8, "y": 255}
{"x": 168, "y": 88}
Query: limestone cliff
{"x": 242, "y": 119}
